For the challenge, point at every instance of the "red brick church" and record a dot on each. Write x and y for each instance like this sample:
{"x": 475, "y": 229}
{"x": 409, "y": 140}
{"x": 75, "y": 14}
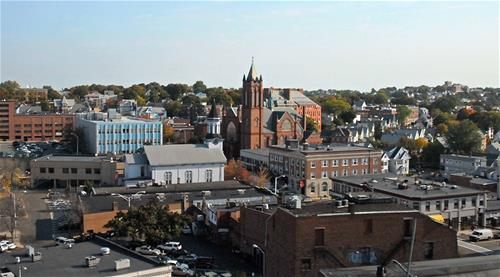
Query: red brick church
{"x": 268, "y": 117}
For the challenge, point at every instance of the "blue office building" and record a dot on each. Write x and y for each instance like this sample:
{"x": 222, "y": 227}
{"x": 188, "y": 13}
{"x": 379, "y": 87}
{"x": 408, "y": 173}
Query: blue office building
{"x": 113, "y": 133}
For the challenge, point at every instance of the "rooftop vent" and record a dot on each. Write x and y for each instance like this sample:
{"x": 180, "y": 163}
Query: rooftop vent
{"x": 206, "y": 193}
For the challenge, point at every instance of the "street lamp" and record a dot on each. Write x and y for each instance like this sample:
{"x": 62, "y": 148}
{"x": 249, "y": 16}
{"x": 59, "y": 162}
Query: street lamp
{"x": 77, "y": 142}
{"x": 263, "y": 258}
{"x": 276, "y": 183}
{"x": 128, "y": 198}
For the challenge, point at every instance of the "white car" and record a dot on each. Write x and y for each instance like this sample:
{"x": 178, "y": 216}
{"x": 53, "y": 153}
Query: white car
{"x": 481, "y": 234}
{"x": 3, "y": 248}
{"x": 170, "y": 246}
{"x": 10, "y": 245}
{"x": 148, "y": 250}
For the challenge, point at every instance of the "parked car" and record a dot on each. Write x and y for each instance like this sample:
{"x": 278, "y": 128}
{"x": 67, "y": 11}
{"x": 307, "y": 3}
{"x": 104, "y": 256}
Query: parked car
{"x": 180, "y": 269}
{"x": 481, "y": 234}
{"x": 3, "y": 248}
{"x": 148, "y": 250}
{"x": 10, "y": 245}
{"x": 170, "y": 246}
{"x": 64, "y": 241}
{"x": 497, "y": 235}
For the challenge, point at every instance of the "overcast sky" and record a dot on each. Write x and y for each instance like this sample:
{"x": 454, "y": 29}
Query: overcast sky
{"x": 341, "y": 45}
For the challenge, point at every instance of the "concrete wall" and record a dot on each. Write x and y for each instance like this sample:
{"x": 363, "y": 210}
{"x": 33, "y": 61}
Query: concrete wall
{"x": 9, "y": 164}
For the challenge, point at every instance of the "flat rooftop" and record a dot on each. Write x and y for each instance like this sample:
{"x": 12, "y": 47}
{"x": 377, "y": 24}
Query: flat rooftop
{"x": 388, "y": 184}
{"x": 64, "y": 158}
{"x": 63, "y": 261}
{"x": 222, "y": 185}
{"x": 328, "y": 207}
{"x": 325, "y": 148}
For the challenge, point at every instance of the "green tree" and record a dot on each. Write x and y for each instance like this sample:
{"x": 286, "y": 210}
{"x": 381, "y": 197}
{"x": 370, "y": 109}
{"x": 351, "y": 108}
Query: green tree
{"x": 140, "y": 101}
{"x": 403, "y": 113}
{"x": 44, "y": 105}
{"x": 347, "y": 116}
{"x": 52, "y": 93}
{"x": 311, "y": 125}
{"x": 173, "y": 108}
{"x": 79, "y": 92}
{"x": 219, "y": 95}
{"x": 134, "y": 91}
{"x": 445, "y": 103}
{"x": 463, "y": 137}
{"x": 381, "y": 98}
{"x": 199, "y": 86}
{"x": 151, "y": 222}
{"x": 431, "y": 153}
{"x": 335, "y": 106}
{"x": 175, "y": 91}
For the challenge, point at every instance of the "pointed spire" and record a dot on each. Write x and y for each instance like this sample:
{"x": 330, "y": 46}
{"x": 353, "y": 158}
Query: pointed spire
{"x": 213, "y": 110}
{"x": 252, "y": 73}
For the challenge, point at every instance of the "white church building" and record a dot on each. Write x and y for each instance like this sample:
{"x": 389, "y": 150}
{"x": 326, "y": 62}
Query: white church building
{"x": 181, "y": 163}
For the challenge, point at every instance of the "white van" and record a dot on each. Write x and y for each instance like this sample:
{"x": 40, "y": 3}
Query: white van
{"x": 481, "y": 234}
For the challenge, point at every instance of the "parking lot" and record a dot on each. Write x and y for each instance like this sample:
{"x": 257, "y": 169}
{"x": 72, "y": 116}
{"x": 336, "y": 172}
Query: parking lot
{"x": 477, "y": 248}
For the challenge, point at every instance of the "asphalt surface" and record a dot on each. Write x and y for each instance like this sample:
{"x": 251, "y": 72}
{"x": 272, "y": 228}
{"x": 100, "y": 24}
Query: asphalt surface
{"x": 36, "y": 226}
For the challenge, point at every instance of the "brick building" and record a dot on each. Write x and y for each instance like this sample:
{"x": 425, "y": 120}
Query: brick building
{"x": 300, "y": 242}
{"x": 262, "y": 121}
{"x": 32, "y": 127}
{"x": 310, "y": 168}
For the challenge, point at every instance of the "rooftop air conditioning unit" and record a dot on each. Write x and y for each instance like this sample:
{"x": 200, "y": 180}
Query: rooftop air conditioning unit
{"x": 206, "y": 193}
{"x": 241, "y": 191}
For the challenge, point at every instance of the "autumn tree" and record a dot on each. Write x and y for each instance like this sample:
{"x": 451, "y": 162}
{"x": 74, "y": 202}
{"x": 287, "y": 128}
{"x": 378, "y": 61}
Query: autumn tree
{"x": 168, "y": 132}
{"x": 235, "y": 170}
{"x": 262, "y": 177}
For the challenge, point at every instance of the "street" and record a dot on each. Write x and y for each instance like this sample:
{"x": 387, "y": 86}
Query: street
{"x": 36, "y": 226}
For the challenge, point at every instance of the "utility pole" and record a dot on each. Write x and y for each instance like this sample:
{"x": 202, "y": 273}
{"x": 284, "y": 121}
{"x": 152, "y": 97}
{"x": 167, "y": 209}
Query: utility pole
{"x": 14, "y": 206}
{"x": 411, "y": 246}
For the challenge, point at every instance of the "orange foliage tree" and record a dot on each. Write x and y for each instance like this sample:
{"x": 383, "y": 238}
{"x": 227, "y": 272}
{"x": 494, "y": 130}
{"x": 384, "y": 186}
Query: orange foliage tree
{"x": 234, "y": 169}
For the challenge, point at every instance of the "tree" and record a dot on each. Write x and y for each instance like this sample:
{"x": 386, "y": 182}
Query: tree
{"x": 445, "y": 103}
{"x": 151, "y": 222}
{"x": 465, "y": 113}
{"x": 134, "y": 91}
{"x": 173, "y": 108}
{"x": 235, "y": 170}
{"x": 463, "y": 137}
{"x": 44, "y": 105}
{"x": 421, "y": 143}
{"x": 219, "y": 95}
{"x": 168, "y": 132}
{"x": 52, "y": 93}
{"x": 335, "y": 106}
{"x": 403, "y": 113}
{"x": 199, "y": 86}
{"x": 311, "y": 125}
{"x": 431, "y": 154}
{"x": 348, "y": 116}
{"x": 442, "y": 128}
{"x": 140, "y": 101}
{"x": 175, "y": 91}
{"x": 79, "y": 92}
{"x": 381, "y": 98}
{"x": 262, "y": 177}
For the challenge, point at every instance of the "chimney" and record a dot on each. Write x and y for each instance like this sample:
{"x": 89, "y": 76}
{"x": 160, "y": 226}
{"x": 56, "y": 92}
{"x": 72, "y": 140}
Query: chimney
{"x": 114, "y": 206}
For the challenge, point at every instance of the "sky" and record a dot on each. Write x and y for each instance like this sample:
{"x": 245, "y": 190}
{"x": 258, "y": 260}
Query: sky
{"x": 310, "y": 45}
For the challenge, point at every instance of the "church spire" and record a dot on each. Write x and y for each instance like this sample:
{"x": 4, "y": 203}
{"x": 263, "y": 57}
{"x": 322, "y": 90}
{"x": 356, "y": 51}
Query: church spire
{"x": 252, "y": 73}
{"x": 213, "y": 110}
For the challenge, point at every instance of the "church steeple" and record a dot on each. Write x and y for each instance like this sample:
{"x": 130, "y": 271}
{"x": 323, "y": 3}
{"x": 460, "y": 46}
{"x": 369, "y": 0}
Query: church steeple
{"x": 252, "y": 73}
{"x": 213, "y": 122}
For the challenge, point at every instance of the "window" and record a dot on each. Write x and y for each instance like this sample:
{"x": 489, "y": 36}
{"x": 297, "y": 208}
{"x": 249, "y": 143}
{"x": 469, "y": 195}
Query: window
{"x": 208, "y": 175}
{"x": 365, "y": 161}
{"x": 306, "y": 264}
{"x": 324, "y": 186}
{"x": 474, "y": 202}
{"x": 324, "y": 174}
{"x": 368, "y": 226}
{"x": 438, "y": 205}
{"x": 97, "y": 171}
{"x": 313, "y": 187}
{"x": 324, "y": 163}
{"x": 427, "y": 206}
{"x": 74, "y": 170}
{"x": 88, "y": 170}
{"x": 354, "y": 161}
{"x": 335, "y": 163}
{"x": 313, "y": 164}
{"x": 51, "y": 170}
{"x": 429, "y": 250}
{"x": 446, "y": 204}
{"x": 345, "y": 162}
{"x": 365, "y": 171}
{"x": 189, "y": 176}
{"x": 354, "y": 172}
{"x": 43, "y": 169}
{"x": 319, "y": 236}
{"x": 407, "y": 226}
{"x": 464, "y": 201}
{"x": 334, "y": 173}
{"x": 143, "y": 171}
{"x": 313, "y": 175}
{"x": 65, "y": 170}
{"x": 344, "y": 173}
{"x": 416, "y": 206}
{"x": 168, "y": 177}
{"x": 455, "y": 204}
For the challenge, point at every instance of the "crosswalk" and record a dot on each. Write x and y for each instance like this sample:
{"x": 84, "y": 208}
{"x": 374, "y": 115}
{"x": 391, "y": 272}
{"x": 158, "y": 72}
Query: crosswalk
{"x": 474, "y": 247}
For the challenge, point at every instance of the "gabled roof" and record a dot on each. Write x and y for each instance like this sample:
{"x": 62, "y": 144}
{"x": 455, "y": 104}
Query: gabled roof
{"x": 183, "y": 154}
{"x": 213, "y": 111}
{"x": 398, "y": 153}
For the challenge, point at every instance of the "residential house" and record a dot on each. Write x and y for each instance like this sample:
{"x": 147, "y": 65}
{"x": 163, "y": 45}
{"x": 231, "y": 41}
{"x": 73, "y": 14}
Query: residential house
{"x": 396, "y": 160}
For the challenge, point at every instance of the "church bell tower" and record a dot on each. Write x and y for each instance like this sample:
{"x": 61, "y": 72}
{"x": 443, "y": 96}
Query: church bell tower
{"x": 252, "y": 107}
